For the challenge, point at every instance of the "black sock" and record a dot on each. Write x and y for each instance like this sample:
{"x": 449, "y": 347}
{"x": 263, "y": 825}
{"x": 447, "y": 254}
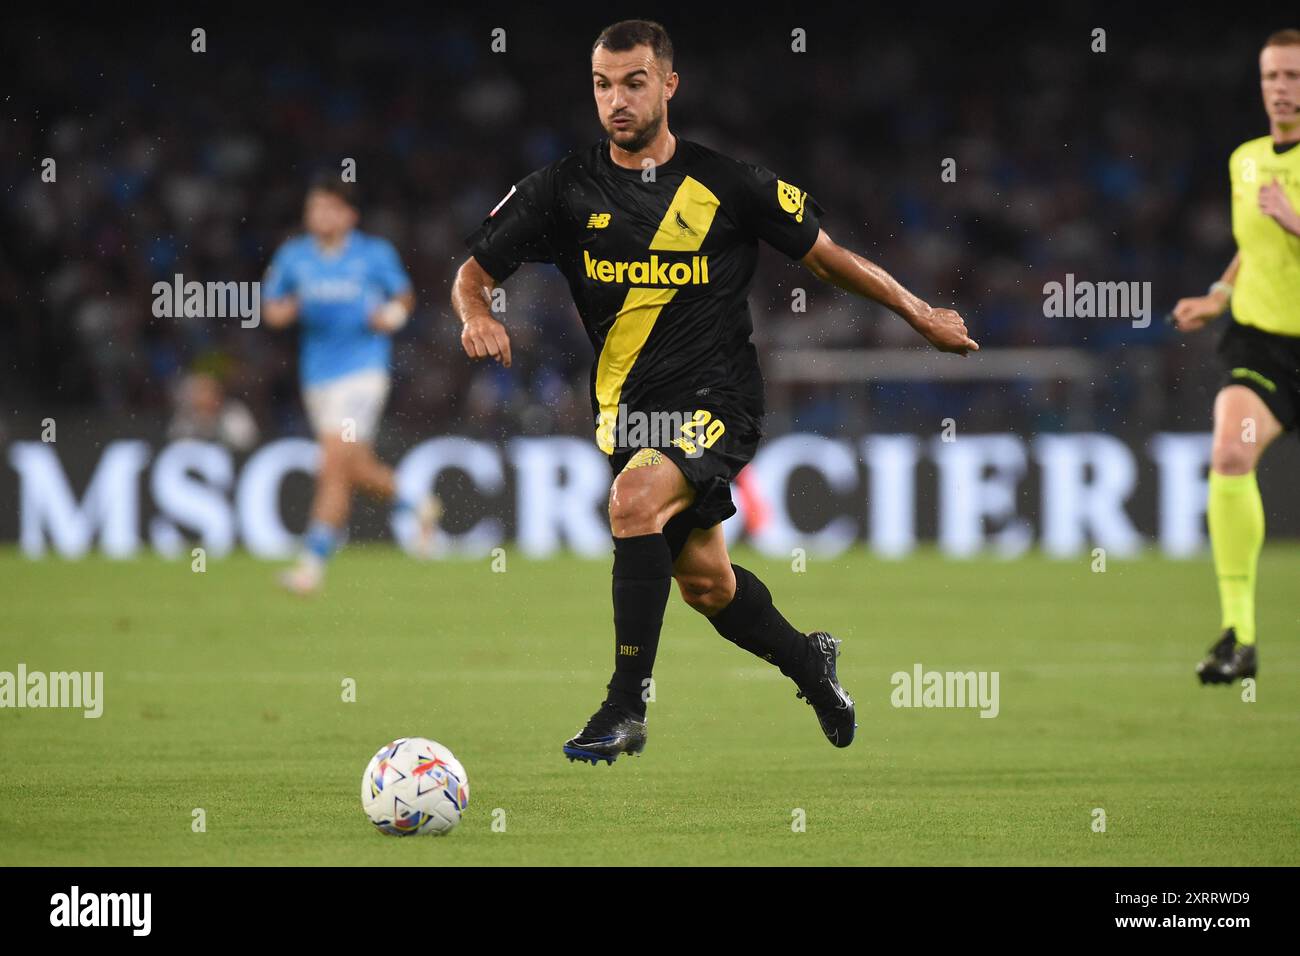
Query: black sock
{"x": 643, "y": 571}
{"x": 752, "y": 622}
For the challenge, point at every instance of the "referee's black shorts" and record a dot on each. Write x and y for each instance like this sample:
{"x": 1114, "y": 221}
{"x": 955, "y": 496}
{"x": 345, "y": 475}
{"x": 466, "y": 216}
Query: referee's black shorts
{"x": 1266, "y": 363}
{"x": 709, "y": 457}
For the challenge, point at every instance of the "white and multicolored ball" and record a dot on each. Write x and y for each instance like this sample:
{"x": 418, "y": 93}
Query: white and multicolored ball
{"x": 414, "y": 786}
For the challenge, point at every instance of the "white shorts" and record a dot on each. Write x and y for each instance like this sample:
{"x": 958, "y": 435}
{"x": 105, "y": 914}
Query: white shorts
{"x": 349, "y": 406}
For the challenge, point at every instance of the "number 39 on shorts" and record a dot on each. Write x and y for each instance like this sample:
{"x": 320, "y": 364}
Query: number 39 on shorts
{"x": 701, "y": 430}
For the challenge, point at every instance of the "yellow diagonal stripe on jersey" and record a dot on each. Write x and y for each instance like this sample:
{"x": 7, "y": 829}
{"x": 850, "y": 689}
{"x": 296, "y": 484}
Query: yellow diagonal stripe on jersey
{"x": 688, "y": 219}
{"x": 622, "y": 346}
{"x": 683, "y": 228}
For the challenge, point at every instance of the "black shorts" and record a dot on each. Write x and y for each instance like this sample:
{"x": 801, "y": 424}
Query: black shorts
{"x": 709, "y": 457}
{"x": 1268, "y": 365}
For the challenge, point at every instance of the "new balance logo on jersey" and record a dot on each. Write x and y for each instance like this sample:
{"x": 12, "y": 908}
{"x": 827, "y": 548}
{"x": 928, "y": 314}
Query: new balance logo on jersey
{"x": 598, "y": 220}
{"x": 648, "y": 273}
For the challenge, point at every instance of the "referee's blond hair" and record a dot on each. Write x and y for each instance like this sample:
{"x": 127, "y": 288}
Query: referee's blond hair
{"x": 1283, "y": 38}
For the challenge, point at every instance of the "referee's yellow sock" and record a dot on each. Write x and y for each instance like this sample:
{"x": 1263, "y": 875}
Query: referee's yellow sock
{"x": 1236, "y": 519}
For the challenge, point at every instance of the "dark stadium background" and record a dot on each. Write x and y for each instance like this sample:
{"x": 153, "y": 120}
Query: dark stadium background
{"x": 1109, "y": 166}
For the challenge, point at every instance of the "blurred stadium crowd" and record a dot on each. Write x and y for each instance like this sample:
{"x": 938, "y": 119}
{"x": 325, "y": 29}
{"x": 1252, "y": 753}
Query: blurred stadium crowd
{"x": 1110, "y": 166}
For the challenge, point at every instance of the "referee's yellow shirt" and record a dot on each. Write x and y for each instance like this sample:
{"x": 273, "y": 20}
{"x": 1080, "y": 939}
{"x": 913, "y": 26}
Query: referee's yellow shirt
{"x": 1267, "y": 291}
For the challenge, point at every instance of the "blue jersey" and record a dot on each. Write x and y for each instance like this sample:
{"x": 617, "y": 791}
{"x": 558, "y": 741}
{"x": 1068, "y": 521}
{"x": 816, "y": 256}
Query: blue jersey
{"x": 336, "y": 293}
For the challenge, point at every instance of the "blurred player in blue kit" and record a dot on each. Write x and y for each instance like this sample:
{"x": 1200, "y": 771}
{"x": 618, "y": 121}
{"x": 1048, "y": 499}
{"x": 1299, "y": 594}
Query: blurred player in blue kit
{"x": 349, "y": 294}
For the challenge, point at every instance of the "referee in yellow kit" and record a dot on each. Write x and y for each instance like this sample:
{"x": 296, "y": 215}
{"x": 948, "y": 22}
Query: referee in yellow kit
{"x": 1260, "y": 395}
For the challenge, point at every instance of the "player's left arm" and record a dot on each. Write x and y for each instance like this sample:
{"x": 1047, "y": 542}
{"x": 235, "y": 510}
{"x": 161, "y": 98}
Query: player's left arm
{"x": 1273, "y": 202}
{"x": 390, "y": 316}
{"x": 942, "y": 328}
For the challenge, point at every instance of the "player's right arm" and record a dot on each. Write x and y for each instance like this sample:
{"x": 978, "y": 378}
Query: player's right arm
{"x": 280, "y": 305}
{"x": 280, "y": 313}
{"x": 1197, "y": 311}
{"x": 520, "y": 229}
{"x": 480, "y": 335}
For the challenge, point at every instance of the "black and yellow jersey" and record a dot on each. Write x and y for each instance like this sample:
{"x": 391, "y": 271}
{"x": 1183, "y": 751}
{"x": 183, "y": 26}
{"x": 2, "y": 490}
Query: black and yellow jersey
{"x": 659, "y": 262}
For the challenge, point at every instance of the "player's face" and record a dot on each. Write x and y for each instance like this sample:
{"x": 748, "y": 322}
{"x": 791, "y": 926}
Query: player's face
{"x": 327, "y": 216}
{"x": 631, "y": 93}
{"x": 205, "y": 395}
{"x": 1279, "y": 81}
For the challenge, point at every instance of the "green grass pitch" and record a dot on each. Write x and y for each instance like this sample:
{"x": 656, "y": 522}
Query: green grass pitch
{"x": 223, "y": 694}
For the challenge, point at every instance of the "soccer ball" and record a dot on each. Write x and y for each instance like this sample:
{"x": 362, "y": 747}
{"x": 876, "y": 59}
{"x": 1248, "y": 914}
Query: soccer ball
{"x": 414, "y": 785}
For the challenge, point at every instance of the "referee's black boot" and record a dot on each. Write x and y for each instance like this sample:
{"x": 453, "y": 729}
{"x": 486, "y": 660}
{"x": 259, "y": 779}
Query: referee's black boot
{"x": 1228, "y": 661}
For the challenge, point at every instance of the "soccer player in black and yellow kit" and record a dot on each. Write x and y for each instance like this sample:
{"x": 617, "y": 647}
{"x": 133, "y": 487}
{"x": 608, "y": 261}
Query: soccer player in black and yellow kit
{"x": 1260, "y": 349}
{"x": 658, "y": 239}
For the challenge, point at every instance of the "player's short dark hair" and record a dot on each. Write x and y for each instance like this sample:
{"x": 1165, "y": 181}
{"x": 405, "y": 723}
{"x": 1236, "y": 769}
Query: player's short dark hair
{"x": 1284, "y": 38}
{"x": 329, "y": 182}
{"x": 627, "y": 34}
